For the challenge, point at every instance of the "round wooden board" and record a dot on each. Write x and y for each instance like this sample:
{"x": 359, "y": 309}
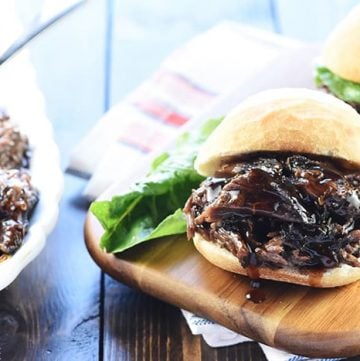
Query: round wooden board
{"x": 301, "y": 320}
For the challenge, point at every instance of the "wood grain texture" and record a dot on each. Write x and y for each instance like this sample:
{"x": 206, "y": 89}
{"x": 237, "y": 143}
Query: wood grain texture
{"x": 52, "y": 310}
{"x": 301, "y": 320}
{"x": 142, "y": 328}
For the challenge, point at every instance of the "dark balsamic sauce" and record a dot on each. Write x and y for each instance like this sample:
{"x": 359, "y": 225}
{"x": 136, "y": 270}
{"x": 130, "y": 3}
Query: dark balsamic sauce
{"x": 256, "y": 295}
{"x": 288, "y": 211}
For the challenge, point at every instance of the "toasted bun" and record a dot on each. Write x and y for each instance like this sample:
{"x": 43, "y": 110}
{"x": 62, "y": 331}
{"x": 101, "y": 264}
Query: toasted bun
{"x": 284, "y": 120}
{"x": 331, "y": 277}
{"x": 342, "y": 49}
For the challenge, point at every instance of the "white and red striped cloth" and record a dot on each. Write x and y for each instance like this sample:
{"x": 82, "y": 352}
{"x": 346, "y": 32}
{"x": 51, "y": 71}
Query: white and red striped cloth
{"x": 188, "y": 82}
{"x": 218, "y": 336}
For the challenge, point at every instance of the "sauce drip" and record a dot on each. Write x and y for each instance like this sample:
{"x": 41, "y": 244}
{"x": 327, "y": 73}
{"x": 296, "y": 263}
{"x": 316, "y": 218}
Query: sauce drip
{"x": 255, "y": 294}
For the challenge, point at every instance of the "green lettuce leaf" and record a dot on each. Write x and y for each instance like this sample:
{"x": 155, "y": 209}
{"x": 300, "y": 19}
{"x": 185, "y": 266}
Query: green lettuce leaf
{"x": 153, "y": 207}
{"x": 343, "y": 89}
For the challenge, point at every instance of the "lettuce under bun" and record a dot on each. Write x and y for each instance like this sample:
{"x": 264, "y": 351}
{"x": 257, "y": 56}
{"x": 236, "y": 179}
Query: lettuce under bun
{"x": 344, "y": 89}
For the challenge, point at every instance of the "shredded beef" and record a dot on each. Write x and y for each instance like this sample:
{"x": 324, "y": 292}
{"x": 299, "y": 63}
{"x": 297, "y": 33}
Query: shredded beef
{"x": 286, "y": 210}
{"x": 14, "y": 146}
{"x": 17, "y": 200}
{"x": 18, "y": 197}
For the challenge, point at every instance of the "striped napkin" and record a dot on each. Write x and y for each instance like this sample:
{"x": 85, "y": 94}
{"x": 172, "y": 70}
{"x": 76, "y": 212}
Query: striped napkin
{"x": 188, "y": 82}
{"x": 218, "y": 336}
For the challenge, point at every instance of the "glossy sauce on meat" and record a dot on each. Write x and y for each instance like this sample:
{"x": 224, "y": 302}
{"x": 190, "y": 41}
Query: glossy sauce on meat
{"x": 281, "y": 210}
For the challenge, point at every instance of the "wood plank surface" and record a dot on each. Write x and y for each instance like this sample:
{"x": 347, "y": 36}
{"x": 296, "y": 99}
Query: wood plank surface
{"x": 143, "y": 328}
{"x": 301, "y": 320}
{"x": 47, "y": 313}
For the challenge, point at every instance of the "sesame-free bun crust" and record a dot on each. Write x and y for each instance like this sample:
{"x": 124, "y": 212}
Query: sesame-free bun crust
{"x": 341, "y": 52}
{"x": 284, "y": 120}
{"x": 331, "y": 277}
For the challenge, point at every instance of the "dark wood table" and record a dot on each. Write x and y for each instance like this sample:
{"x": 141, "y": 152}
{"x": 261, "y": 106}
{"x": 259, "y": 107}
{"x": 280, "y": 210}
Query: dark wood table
{"x": 62, "y": 307}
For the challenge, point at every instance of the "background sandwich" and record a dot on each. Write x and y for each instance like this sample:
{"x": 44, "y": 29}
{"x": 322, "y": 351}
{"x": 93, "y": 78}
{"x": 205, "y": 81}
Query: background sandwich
{"x": 281, "y": 200}
{"x": 339, "y": 71}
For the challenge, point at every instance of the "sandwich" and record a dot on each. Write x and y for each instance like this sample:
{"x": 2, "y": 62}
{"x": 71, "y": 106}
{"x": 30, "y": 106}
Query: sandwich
{"x": 339, "y": 71}
{"x": 281, "y": 197}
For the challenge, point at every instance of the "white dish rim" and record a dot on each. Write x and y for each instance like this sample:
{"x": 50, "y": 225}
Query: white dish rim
{"x": 47, "y": 177}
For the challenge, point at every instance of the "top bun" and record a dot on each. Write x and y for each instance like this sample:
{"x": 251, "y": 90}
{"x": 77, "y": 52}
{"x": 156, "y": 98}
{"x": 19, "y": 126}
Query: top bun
{"x": 284, "y": 120}
{"x": 342, "y": 50}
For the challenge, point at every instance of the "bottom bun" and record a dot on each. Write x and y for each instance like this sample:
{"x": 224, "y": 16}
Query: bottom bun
{"x": 328, "y": 277}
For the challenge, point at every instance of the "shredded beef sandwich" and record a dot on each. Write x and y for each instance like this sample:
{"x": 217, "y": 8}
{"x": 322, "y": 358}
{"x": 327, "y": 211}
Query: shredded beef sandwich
{"x": 338, "y": 69}
{"x": 282, "y": 197}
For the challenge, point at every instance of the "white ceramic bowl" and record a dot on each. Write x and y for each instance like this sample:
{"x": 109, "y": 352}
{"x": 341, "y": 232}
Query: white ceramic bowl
{"x": 25, "y": 106}
{"x": 47, "y": 178}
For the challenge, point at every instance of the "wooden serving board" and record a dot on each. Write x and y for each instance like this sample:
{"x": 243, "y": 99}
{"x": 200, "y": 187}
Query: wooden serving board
{"x": 300, "y": 320}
